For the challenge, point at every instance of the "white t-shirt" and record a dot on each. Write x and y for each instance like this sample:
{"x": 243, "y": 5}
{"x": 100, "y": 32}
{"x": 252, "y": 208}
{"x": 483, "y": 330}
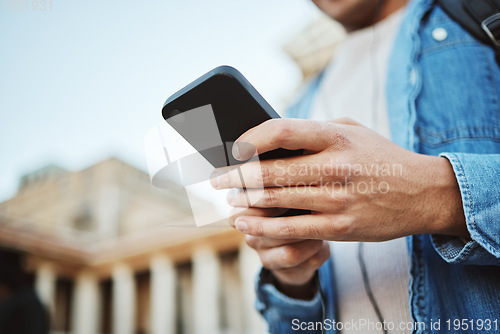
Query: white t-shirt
{"x": 354, "y": 86}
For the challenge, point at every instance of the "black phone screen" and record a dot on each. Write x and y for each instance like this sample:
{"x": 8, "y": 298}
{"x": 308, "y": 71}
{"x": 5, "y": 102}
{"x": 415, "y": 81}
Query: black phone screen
{"x": 216, "y": 109}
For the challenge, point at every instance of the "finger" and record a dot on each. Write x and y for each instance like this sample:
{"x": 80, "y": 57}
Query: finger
{"x": 263, "y": 242}
{"x": 302, "y": 273}
{"x": 257, "y": 212}
{"x": 346, "y": 121}
{"x": 289, "y": 256}
{"x": 330, "y": 198}
{"x": 291, "y": 134}
{"x": 311, "y": 170}
{"x": 313, "y": 226}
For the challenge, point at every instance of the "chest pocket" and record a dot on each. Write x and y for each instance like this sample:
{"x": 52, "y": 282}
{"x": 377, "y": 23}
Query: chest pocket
{"x": 458, "y": 103}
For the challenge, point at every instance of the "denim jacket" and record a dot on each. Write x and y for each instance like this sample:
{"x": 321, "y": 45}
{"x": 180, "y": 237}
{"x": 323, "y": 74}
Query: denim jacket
{"x": 443, "y": 93}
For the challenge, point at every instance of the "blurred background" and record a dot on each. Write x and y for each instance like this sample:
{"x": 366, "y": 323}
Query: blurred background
{"x": 81, "y": 82}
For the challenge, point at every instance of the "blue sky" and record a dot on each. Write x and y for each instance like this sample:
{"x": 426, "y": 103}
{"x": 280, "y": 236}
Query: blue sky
{"x": 87, "y": 79}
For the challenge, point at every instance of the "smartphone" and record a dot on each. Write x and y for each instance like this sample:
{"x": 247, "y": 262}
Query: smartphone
{"x": 216, "y": 109}
{"x": 219, "y": 107}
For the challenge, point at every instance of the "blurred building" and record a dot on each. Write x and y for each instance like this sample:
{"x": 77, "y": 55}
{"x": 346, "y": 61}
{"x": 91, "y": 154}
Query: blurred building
{"x": 314, "y": 47}
{"x": 104, "y": 257}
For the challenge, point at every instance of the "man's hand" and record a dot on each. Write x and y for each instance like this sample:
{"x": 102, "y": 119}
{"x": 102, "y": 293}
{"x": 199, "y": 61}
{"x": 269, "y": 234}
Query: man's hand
{"x": 358, "y": 185}
{"x": 293, "y": 262}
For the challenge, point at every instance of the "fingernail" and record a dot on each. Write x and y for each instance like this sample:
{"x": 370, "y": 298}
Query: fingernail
{"x": 231, "y": 196}
{"x": 214, "y": 181}
{"x": 241, "y": 225}
{"x": 236, "y": 151}
{"x": 243, "y": 151}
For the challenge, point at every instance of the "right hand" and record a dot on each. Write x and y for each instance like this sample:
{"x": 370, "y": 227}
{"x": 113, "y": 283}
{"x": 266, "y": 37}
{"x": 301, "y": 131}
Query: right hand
{"x": 293, "y": 262}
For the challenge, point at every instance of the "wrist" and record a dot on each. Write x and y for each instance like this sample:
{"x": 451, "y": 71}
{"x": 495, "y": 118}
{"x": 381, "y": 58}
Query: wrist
{"x": 304, "y": 291}
{"x": 448, "y": 215}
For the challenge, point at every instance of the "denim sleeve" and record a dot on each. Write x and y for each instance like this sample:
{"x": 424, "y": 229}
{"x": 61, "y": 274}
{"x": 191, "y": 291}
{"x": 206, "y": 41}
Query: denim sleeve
{"x": 478, "y": 177}
{"x": 282, "y": 313}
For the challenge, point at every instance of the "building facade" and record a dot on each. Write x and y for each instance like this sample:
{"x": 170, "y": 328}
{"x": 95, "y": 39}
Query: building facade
{"x": 105, "y": 258}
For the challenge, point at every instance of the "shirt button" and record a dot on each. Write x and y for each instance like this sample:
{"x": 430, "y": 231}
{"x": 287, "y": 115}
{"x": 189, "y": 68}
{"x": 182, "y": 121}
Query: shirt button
{"x": 439, "y": 34}
{"x": 413, "y": 76}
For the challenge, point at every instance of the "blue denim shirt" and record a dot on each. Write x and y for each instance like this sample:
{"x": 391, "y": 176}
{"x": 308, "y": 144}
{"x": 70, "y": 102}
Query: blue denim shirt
{"x": 443, "y": 99}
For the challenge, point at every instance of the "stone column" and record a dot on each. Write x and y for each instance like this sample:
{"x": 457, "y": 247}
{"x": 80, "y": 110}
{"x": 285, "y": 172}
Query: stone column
{"x": 249, "y": 267}
{"x": 45, "y": 285}
{"x": 206, "y": 287}
{"x": 86, "y": 304}
{"x": 123, "y": 300}
{"x": 232, "y": 296}
{"x": 108, "y": 211}
{"x": 163, "y": 287}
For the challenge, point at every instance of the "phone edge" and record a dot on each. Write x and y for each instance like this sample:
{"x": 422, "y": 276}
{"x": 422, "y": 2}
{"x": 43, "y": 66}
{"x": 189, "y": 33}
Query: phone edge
{"x": 229, "y": 71}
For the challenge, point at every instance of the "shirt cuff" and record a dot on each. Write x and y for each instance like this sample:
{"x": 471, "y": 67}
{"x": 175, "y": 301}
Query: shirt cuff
{"x": 455, "y": 249}
{"x": 281, "y": 311}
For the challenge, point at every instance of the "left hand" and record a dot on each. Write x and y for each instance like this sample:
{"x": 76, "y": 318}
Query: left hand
{"x": 358, "y": 185}
{"x": 292, "y": 262}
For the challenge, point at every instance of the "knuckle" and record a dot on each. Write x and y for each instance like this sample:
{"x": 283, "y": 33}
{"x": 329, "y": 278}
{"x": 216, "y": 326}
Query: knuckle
{"x": 286, "y": 230}
{"x": 338, "y": 201}
{"x": 340, "y": 228}
{"x": 345, "y": 120}
{"x": 274, "y": 122}
{"x": 269, "y": 197}
{"x": 329, "y": 169}
{"x": 263, "y": 173}
{"x": 268, "y": 260}
{"x": 345, "y": 168}
{"x": 332, "y": 200}
{"x": 256, "y": 230}
{"x": 339, "y": 137}
{"x": 282, "y": 130}
{"x": 294, "y": 169}
{"x": 290, "y": 256}
{"x": 319, "y": 127}
{"x": 343, "y": 201}
{"x": 312, "y": 231}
